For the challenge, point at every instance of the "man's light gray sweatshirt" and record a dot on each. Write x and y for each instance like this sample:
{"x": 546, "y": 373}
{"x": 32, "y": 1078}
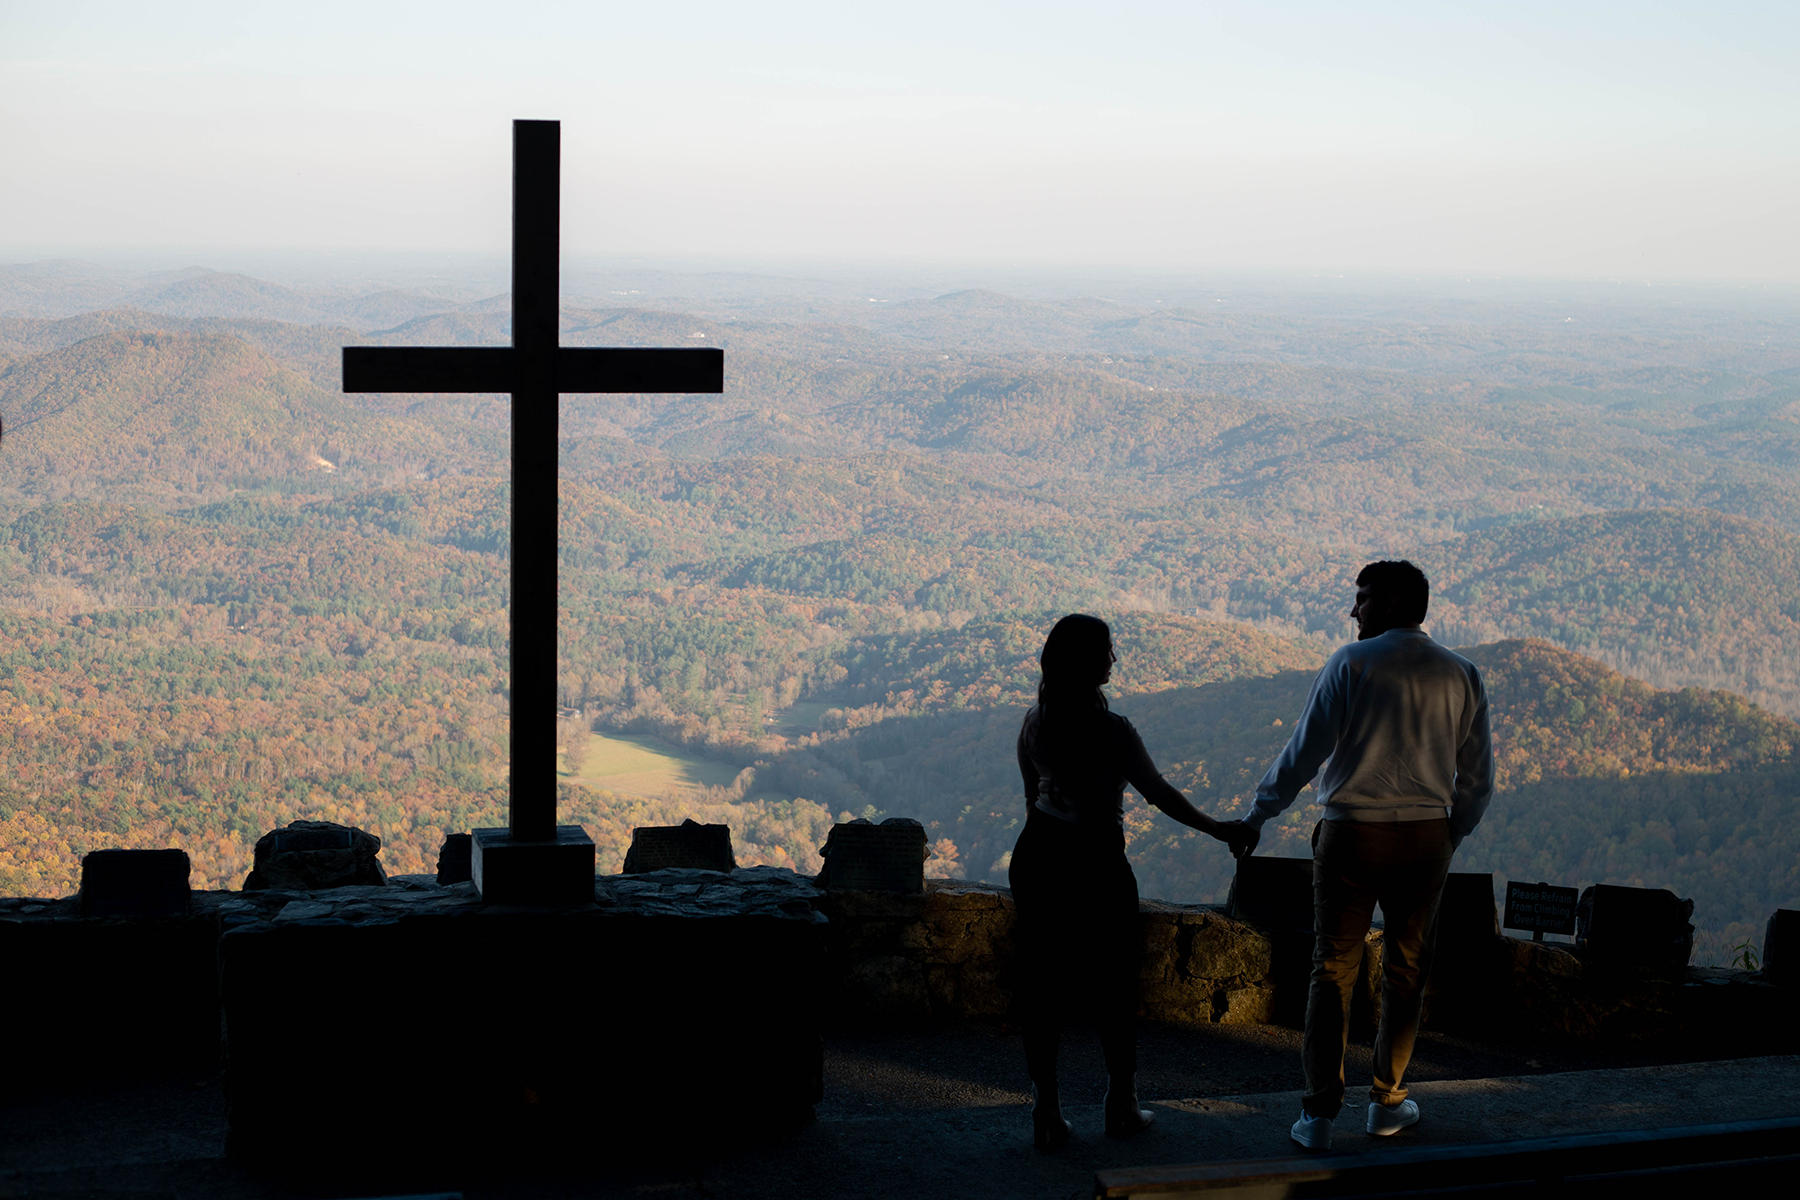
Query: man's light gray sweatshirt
{"x": 1404, "y": 725}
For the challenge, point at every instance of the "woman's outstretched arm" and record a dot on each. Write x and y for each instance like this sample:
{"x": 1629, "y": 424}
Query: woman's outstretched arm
{"x": 1167, "y": 797}
{"x": 1150, "y": 784}
{"x": 1240, "y": 837}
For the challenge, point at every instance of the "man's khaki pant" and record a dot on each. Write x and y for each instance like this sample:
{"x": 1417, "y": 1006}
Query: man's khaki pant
{"x": 1356, "y": 864}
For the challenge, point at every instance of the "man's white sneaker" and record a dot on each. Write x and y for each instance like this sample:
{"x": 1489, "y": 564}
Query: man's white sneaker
{"x": 1312, "y": 1132}
{"x": 1384, "y": 1120}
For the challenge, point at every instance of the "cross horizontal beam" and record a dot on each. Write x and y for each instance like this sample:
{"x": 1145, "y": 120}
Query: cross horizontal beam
{"x": 496, "y": 369}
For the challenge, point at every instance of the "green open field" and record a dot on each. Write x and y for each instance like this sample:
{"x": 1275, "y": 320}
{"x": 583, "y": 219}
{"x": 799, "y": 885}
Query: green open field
{"x": 645, "y": 766}
{"x": 799, "y": 718}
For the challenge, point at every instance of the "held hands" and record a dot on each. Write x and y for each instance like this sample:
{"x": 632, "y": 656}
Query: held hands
{"x": 1240, "y": 837}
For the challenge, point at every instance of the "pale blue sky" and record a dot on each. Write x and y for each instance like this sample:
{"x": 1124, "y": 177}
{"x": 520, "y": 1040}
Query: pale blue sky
{"x": 1656, "y": 140}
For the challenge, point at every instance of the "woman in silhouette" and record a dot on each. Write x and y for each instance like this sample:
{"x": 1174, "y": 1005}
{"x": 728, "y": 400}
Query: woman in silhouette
{"x": 1076, "y": 898}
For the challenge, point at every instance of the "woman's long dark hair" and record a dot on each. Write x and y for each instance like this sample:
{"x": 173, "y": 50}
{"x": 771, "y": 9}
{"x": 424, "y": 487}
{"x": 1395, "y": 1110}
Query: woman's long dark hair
{"x": 1075, "y": 659}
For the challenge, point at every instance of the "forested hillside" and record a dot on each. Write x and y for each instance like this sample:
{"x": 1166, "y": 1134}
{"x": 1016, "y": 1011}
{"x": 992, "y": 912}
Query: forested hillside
{"x": 1601, "y": 778}
{"x": 232, "y": 596}
{"x": 1690, "y": 595}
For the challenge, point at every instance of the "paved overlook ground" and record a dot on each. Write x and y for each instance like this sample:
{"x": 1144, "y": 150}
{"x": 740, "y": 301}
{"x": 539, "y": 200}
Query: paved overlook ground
{"x": 927, "y": 1112}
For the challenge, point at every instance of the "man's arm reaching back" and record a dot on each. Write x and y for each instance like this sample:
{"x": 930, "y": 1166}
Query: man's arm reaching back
{"x": 1315, "y": 737}
{"x": 1474, "y": 771}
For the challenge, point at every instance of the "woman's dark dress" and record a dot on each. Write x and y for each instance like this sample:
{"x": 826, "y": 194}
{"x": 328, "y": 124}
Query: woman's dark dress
{"x": 1075, "y": 895}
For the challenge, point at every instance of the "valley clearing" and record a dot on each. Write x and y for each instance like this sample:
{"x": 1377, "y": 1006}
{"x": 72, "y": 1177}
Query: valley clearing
{"x": 644, "y": 766}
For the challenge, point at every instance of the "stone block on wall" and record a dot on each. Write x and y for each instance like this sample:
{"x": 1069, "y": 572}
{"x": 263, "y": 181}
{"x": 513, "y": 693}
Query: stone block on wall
{"x": 1637, "y": 929}
{"x": 315, "y": 855}
{"x": 863, "y": 856}
{"x": 1781, "y": 948}
{"x": 1273, "y": 894}
{"x": 1467, "y": 914}
{"x": 687, "y": 846}
{"x": 135, "y": 883}
{"x": 456, "y": 859}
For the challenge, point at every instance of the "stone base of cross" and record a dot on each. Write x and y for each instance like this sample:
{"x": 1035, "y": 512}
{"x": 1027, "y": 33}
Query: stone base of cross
{"x": 557, "y": 871}
{"x": 534, "y": 860}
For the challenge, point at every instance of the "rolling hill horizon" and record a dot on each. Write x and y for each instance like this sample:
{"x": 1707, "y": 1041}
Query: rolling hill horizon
{"x": 208, "y": 550}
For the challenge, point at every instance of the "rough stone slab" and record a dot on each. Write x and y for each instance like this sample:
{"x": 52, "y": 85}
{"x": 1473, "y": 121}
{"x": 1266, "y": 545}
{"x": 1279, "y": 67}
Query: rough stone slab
{"x": 306, "y": 910}
{"x": 135, "y": 883}
{"x": 861, "y": 856}
{"x": 312, "y": 855}
{"x": 687, "y": 845}
{"x": 455, "y": 863}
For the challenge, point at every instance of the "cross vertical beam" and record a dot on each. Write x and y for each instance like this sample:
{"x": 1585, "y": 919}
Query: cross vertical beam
{"x": 534, "y": 860}
{"x": 536, "y": 246}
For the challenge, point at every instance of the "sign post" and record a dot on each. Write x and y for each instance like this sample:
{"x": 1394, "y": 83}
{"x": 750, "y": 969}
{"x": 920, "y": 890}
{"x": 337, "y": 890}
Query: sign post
{"x": 1541, "y": 908}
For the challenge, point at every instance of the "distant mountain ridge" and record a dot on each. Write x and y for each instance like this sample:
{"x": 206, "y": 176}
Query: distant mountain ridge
{"x": 63, "y": 288}
{"x": 171, "y": 418}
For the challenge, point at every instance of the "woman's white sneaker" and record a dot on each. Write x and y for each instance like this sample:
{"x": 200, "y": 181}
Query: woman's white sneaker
{"x": 1312, "y": 1132}
{"x": 1384, "y": 1120}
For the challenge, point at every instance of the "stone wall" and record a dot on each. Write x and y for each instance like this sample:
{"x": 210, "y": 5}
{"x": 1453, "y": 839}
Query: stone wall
{"x": 301, "y": 984}
{"x": 112, "y": 996}
{"x": 945, "y": 956}
{"x": 611, "y": 1015}
{"x": 540, "y": 1025}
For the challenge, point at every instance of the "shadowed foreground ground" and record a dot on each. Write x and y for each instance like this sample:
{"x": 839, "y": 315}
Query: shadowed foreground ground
{"x": 921, "y": 1113}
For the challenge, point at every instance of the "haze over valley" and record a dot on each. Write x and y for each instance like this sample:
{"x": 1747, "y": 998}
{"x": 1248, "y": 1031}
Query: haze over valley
{"x": 233, "y": 596}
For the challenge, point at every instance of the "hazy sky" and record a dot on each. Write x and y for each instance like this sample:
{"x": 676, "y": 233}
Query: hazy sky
{"x": 1639, "y": 139}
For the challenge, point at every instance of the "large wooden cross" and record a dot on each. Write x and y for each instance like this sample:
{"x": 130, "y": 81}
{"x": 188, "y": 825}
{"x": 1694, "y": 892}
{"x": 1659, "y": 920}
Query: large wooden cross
{"x": 535, "y": 860}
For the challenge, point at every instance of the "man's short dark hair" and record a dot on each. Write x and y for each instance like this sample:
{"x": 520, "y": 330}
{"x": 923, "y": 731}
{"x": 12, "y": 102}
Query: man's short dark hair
{"x": 1402, "y": 585}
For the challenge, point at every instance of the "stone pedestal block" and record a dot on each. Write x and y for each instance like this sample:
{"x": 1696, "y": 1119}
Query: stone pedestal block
{"x": 1467, "y": 914}
{"x": 455, "y": 862}
{"x": 134, "y": 883}
{"x": 1471, "y": 964}
{"x": 1273, "y": 894}
{"x": 308, "y": 856}
{"x": 689, "y": 846}
{"x": 889, "y": 857}
{"x": 1781, "y": 948}
{"x": 553, "y": 874}
{"x": 1645, "y": 930}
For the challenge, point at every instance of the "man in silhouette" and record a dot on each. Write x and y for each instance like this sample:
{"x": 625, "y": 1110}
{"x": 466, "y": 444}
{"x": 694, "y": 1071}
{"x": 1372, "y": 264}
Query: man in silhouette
{"x": 1400, "y": 726}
